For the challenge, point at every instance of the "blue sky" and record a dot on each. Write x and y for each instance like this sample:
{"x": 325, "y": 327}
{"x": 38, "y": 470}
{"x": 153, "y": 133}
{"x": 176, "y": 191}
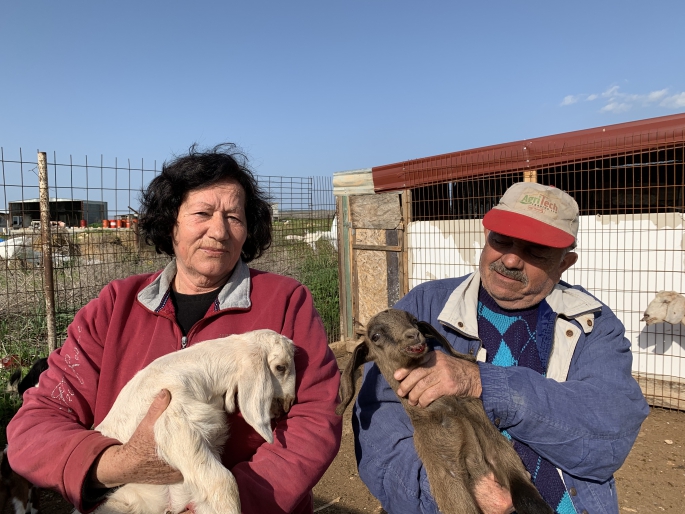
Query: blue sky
{"x": 314, "y": 87}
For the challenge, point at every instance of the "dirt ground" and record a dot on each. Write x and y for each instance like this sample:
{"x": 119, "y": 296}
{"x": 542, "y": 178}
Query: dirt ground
{"x": 652, "y": 480}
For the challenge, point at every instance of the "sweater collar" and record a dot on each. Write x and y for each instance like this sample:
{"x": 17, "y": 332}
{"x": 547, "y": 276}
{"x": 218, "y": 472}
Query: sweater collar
{"x": 461, "y": 308}
{"x": 235, "y": 294}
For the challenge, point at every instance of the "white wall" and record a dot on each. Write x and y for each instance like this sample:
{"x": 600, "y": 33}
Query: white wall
{"x": 624, "y": 260}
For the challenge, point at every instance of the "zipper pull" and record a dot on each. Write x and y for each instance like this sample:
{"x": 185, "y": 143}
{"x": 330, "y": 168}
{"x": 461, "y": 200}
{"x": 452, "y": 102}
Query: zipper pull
{"x": 184, "y": 342}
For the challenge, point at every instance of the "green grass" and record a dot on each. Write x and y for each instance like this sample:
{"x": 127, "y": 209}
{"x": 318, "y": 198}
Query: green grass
{"x": 24, "y": 336}
{"x": 319, "y": 272}
{"x": 23, "y": 339}
{"x": 317, "y": 269}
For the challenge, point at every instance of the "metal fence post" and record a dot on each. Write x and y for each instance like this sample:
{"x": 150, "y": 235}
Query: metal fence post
{"x": 47, "y": 249}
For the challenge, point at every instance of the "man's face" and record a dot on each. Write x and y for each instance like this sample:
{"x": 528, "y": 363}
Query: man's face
{"x": 519, "y": 274}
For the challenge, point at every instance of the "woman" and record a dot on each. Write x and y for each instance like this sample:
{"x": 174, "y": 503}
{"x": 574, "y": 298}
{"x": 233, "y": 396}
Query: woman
{"x": 206, "y": 210}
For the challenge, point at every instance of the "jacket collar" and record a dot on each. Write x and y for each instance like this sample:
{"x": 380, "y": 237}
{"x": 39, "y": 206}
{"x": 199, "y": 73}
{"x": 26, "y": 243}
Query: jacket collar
{"x": 461, "y": 309}
{"x": 235, "y": 294}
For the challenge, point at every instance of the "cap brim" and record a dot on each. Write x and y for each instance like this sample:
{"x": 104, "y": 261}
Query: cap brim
{"x": 517, "y": 225}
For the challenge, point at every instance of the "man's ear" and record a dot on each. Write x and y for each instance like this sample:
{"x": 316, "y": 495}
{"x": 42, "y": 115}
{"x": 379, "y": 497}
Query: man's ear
{"x": 569, "y": 260}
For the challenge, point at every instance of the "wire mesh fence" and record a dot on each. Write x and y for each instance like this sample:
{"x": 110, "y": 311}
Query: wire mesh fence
{"x": 631, "y": 194}
{"x": 94, "y": 239}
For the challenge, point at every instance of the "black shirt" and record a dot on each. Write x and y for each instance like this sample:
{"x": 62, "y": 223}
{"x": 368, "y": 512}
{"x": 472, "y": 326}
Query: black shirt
{"x": 191, "y": 308}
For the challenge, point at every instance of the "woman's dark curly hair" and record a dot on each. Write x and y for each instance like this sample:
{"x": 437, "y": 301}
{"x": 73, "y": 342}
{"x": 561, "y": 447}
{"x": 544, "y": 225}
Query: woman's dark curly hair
{"x": 198, "y": 170}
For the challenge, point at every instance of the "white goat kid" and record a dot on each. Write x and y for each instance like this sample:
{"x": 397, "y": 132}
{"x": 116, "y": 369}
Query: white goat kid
{"x": 312, "y": 238}
{"x": 204, "y": 380}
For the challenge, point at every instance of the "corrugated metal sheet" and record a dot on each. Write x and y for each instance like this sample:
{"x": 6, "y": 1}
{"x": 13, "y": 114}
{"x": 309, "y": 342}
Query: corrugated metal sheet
{"x": 530, "y": 154}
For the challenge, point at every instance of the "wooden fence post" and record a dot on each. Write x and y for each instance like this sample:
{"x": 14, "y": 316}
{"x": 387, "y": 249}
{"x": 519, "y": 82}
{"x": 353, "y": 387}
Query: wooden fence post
{"x": 47, "y": 249}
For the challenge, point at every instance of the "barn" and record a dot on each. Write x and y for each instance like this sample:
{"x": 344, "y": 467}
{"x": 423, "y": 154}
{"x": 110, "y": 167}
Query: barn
{"x": 67, "y": 210}
{"x": 4, "y": 222}
{"x": 418, "y": 220}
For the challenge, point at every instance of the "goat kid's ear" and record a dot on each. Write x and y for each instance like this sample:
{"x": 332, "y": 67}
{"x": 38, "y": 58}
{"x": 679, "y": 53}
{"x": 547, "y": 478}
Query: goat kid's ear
{"x": 255, "y": 393}
{"x": 347, "y": 385}
{"x": 429, "y": 330}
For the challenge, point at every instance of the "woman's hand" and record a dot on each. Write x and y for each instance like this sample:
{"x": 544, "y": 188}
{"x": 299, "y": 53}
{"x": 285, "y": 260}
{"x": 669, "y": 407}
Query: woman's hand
{"x": 136, "y": 461}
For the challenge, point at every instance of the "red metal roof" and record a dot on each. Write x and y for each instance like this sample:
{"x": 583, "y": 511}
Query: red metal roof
{"x": 534, "y": 153}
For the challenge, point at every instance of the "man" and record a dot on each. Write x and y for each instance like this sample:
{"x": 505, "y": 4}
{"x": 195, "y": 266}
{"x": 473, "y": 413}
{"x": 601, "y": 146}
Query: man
{"x": 554, "y": 370}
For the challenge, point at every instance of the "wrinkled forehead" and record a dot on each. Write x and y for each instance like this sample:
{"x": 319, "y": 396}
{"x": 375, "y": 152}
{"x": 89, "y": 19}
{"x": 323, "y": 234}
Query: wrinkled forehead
{"x": 225, "y": 191}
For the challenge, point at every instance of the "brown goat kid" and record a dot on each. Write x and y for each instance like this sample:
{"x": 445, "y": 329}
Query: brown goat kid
{"x": 454, "y": 438}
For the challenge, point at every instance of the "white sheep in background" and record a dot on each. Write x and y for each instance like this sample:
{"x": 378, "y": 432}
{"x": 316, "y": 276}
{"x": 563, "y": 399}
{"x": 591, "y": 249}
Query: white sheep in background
{"x": 204, "y": 380}
{"x": 667, "y": 306}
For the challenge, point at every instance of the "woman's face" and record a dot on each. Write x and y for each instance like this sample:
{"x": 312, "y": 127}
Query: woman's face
{"x": 210, "y": 231}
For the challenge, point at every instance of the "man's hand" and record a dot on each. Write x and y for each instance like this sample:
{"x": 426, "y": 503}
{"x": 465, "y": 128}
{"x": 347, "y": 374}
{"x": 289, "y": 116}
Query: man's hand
{"x": 136, "y": 461}
{"x": 438, "y": 375}
{"x": 491, "y": 497}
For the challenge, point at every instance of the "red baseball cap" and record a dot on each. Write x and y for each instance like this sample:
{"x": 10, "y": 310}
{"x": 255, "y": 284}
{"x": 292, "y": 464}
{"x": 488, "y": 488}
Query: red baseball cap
{"x": 536, "y": 213}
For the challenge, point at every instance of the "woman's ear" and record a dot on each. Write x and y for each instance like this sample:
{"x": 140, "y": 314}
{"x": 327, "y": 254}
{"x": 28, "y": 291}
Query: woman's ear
{"x": 255, "y": 394}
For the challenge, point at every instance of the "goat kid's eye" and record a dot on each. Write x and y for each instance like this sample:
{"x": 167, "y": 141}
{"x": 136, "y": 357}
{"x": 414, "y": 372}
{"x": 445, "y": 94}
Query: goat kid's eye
{"x": 280, "y": 368}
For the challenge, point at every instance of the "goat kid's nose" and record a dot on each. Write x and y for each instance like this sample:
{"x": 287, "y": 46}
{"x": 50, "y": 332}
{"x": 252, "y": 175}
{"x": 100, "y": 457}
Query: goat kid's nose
{"x": 288, "y": 403}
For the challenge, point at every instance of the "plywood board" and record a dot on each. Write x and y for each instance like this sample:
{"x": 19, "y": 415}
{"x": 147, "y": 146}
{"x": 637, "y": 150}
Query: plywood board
{"x": 372, "y": 272}
{"x": 376, "y": 211}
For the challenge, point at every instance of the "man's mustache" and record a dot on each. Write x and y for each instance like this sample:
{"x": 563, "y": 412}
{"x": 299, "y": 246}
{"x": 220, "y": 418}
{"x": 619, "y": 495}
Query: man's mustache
{"x": 514, "y": 274}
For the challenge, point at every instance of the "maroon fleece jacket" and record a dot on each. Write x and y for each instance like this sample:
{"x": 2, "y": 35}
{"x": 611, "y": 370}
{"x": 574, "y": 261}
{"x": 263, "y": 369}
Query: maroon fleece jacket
{"x": 114, "y": 336}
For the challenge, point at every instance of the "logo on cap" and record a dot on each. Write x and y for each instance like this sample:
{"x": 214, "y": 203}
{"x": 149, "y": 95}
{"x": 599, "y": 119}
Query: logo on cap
{"x": 539, "y": 203}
